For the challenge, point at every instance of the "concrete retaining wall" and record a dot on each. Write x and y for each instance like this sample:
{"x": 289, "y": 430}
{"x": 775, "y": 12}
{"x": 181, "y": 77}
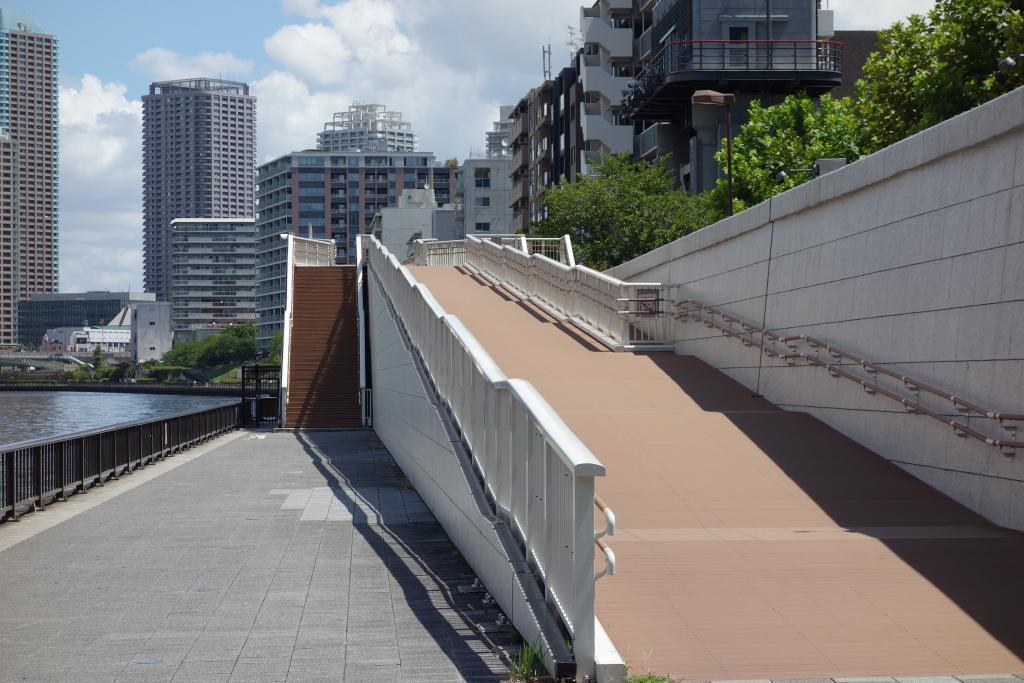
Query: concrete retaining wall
{"x": 913, "y": 258}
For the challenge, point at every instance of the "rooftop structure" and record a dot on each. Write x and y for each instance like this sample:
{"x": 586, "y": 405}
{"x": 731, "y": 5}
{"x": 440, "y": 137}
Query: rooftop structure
{"x": 367, "y": 128}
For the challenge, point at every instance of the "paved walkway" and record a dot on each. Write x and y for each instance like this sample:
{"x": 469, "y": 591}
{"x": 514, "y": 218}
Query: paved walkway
{"x": 271, "y": 557}
{"x": 757, "y": 543}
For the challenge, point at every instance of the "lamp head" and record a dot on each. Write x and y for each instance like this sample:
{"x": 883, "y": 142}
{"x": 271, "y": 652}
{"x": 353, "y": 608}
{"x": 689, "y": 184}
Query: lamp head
{"x": 781, "y": 176}
{"x": 1008, "y": 64}
{"x": 713, "y": 97}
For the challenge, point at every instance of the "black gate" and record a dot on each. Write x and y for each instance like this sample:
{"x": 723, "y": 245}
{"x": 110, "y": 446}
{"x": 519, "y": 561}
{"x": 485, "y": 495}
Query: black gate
{"x": 261, "y": 394}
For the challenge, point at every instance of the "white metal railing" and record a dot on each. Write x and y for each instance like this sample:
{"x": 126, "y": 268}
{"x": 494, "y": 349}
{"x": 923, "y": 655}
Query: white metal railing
{"x": 539, "y": 475}
{"x": 431, "y": 252}
{"x": 624, "y": 314}
{"x": 312, "y": 252}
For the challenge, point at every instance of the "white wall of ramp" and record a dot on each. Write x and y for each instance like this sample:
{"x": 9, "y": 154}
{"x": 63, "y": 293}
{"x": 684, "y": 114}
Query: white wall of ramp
{"x": 405, "y": 418}
{"x": 912, "y": 258}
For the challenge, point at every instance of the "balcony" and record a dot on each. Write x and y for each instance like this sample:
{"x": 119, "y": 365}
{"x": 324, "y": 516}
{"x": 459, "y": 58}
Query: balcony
{"x": 681, "y": 67}
{"x": 599, "y": 31}
{"x": 643, "y": 45}
{"x": 597, "y": 128}
{"x": 596, "y": 79}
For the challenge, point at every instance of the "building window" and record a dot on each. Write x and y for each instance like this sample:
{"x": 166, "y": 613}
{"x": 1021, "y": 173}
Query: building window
{"x": 482, "y": 177}
{"x": 482, "y": 227}
{"x": 481, "y": 202}
{"x": 152, "y": 323}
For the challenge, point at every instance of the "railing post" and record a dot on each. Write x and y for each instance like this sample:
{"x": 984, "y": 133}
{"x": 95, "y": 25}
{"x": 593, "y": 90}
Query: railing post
{"x": 62, "y": 480}
{"x": 37, "y": 467}
{"x": 9, "y": 485}
{"x": 81, "y": 465}
{"x": 583, "y": 577}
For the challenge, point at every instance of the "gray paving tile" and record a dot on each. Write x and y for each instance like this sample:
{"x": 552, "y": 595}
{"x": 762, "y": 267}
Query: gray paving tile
{"x": 239, "y": 588}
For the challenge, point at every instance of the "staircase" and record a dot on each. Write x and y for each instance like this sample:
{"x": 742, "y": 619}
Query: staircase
{"x": 323, "y": 373}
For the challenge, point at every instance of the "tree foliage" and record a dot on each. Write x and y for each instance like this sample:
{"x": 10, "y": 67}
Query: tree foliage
{"x": 790, "y": 135}
{"x": 235, "y": 344}
{"x": 931, "y": 68}
{"x": 624, "y": 210}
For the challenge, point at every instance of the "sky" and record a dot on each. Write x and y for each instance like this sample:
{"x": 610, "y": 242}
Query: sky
{"x": 446, "y": 64}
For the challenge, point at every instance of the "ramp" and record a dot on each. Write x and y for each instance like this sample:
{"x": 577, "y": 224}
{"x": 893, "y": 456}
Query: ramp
{"x": 756, "y": 543}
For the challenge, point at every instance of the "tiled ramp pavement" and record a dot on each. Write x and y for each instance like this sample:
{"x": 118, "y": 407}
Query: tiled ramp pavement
{"x": 272, "y": 557}
{"x": 753, "y": 542}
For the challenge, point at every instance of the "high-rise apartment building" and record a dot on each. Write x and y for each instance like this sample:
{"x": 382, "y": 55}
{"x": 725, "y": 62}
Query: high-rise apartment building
{"x": 29, "y": 157}
{"x": 530, "y": 168}
{"x": 199, "y": 161}
{"x": 326, "y": 195}
{"x": 213, "y": 281}
{"x": 367, "y": 128}
{"x": 8, "y": 244}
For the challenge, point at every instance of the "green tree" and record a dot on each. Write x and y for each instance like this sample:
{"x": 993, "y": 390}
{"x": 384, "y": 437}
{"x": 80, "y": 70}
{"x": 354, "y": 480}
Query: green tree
{"x": 622, "y": 211}
{"x": 235, "y": 344}
{"x": 275, "y": 349}
{"x": 931, "y": 68}
{"x": 790, "y": 135}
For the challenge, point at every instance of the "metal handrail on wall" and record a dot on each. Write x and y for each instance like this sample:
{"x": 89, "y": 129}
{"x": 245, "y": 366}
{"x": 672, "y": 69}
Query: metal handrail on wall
{"x": 37, "y": 472}
{"x": 537, "y": 473}
{"x": 753, "y": 335}
{"x": 639, "y": 315}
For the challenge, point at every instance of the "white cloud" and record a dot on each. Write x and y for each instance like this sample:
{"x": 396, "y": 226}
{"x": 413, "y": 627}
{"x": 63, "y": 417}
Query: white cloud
{"x": 164, "y": 65}
{"x": 101, "y": 187}
{"x": 304, "y": 8}
{"x": 445, "y": 75}
{"x": 875, "y": 14}
{"x": 289, "y": 114}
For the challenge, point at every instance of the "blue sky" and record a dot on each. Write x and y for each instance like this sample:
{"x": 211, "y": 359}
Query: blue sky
{"x": 446, "y": 64}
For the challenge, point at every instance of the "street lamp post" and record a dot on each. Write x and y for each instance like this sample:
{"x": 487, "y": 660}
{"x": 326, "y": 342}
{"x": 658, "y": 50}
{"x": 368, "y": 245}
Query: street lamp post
{"x": 718, "y": 99}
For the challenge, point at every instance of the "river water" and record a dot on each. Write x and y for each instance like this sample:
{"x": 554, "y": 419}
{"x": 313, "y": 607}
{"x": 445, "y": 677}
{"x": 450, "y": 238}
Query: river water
{"x": 28, "y": 415}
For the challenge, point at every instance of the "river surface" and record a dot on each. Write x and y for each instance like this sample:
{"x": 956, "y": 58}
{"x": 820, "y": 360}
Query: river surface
{"x": 28, "y": 415}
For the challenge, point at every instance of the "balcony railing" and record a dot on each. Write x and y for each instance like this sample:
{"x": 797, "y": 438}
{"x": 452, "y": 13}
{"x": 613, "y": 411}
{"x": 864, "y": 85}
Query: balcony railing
{"x": 740, "y": 59}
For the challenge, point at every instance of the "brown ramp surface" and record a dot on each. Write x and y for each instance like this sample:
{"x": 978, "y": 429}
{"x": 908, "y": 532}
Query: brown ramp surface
{"x": 323, "y": 373}
{"x": 757, "y": 543}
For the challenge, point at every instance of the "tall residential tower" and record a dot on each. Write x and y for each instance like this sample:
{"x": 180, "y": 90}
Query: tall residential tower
{"x": 199, "y": 161}
{"x": 28, "y": 154}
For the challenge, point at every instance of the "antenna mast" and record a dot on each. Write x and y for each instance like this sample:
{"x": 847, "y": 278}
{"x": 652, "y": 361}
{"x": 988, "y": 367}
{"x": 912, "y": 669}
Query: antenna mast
{"x": 545, "y": 57}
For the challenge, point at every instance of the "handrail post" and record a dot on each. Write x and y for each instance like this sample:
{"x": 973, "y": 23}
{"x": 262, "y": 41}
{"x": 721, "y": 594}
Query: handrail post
{"x": 9, "y": 485}
{"x": 569, "y": 258}
{"x": 583, "y": 577}
{"x": 37, "y": 467}
{"x": 286, "y": 342}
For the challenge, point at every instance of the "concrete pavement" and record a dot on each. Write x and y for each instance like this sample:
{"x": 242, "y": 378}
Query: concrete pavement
{"x": 272, "y": 557}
